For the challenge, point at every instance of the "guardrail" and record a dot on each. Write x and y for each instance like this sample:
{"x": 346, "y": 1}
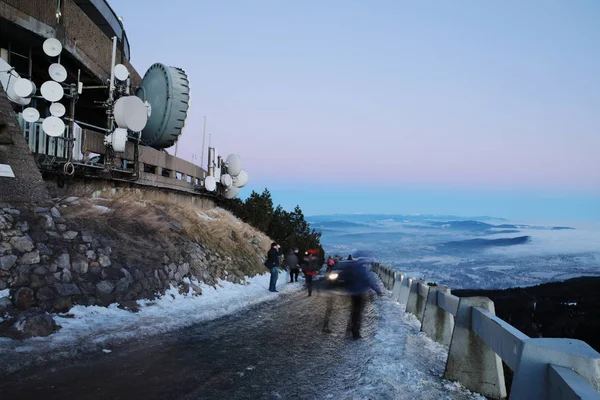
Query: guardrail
{"x": 479, "y": 341}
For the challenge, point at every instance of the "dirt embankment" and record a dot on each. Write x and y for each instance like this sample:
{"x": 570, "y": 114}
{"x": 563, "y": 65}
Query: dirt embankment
{"x": 95, "y": 251}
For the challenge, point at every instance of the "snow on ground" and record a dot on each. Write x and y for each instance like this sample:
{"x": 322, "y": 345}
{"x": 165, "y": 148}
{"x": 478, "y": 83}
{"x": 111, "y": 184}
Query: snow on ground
{"x": 93, "y": 328}
{"x": 402, "y": 362}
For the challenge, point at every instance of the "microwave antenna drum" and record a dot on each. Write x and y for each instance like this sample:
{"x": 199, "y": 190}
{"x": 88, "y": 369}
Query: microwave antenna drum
{"x": 231, "y": 192}
{"x": 24, "y": 88}
{"x": 53, "y": 126}
{"x": 226, "y": 180}
{"x": 234, "y": 164}
{"x": 241, "y": 179}
{"x": 121, "y": 72}
{"x": 31, "y": 115}
{"x": 57, "y": 109}
{"x": 167, "y": 91}
{"x": 52, "y": 91}
{"x": 57, "y": 72}
{"x": 52, "y": 47}
{"x": 131, "y": 113}
{"x": 210, "y": 183}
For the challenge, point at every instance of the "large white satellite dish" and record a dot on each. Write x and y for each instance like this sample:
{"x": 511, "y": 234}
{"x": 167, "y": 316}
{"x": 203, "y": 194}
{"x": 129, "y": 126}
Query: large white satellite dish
{"x": 52, "y": 47}
{"x": 210, "y": 183}
{"x": 57, "y": 109}
{"x": 231, "y": 192}
{"x": 24, "y": 88}
{"x": 241, "y": 180}
{"x": 30, "y": 114}
{"x": 234, "y": 164}
{"x": 121, "y": 72}
{"x": 117, "y": 139}
{"x": 131, "y": 113}
{"x": 8, "y": 78}
{"x": 53, "y": 126}
{"x": 52, "y": 91}
{"x": 226, "y": 180}
{"x": 57, "y": 72}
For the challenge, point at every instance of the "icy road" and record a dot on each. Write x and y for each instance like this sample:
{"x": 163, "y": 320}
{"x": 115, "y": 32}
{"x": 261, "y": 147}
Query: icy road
{"x": 272, "y": 350}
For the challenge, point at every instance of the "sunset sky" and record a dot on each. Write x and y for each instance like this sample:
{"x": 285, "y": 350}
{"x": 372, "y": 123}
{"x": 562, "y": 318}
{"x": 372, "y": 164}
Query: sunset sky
{"x": 464, "y": 107}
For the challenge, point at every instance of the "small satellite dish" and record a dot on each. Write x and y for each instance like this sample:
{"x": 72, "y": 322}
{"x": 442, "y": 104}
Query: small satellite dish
{"x": 52, "y": 47}
{"x": 57, "y": 72}
{"x": 131, "y": 113}
{"x": 231, "y": 192}
{"x": 210, "y": 183}
{"x": 57, "y": 109}
{"x": 121, "y": 72}
{"x": 24, "y": 88}
{"x": 234, "y": 164}
{"x": 52, "y": 91}
{"x": 241, "y": 180}
{"x": 30, "y": 114}
{"x": 53, "y": 126}
{"x": 117, "y": 139}
{"x": 226, "y": 180}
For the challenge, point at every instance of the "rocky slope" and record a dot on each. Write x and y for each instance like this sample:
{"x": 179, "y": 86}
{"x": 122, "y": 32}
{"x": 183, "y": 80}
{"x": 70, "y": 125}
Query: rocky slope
{"x": 81, "y": 250}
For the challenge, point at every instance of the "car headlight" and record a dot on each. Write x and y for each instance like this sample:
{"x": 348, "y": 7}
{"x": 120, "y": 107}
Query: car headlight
{"x": 333, "y": 276}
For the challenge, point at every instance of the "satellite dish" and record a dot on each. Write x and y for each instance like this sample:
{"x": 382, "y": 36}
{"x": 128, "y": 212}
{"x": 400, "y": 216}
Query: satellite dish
{"x": 231, "y": 192}
{"x": 210, "y": 183}
{"x": 57, "y": 109}
{"x": 53, "y": 126}
{"x": 30, "y": 114}
{"x": 52, "y": 47}
{"x": 226, "y": 180}
{"x": 52, "y": 91}
{"x": 241, "y": 180}
{"x": 8, "y": 78}
{"x": 57, "y": 72}
{"x": 24, "y": 88}
{"x": 117, "y": 139}
{"x": 121, "y": 72}
{"x": 131, "y": 113}
{"x": 234, "y": 164}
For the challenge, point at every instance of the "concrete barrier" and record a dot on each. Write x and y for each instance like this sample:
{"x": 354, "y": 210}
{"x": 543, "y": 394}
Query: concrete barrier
{"x": 480, "y": 341}
{"x": 437, "y": 323}
{"x": 397, "y": 286}
{"x": 413, "y": 296}
{"x": 470, "y": 360}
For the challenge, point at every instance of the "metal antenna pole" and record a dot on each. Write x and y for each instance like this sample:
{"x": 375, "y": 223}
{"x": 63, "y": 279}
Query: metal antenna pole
{"x": 203, "y": 140}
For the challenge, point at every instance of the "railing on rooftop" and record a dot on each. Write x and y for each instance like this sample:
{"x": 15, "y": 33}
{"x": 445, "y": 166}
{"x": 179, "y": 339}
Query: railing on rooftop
{"x": 479, "y": 341}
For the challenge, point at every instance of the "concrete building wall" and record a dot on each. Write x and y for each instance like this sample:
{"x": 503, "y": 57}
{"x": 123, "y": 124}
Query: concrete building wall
{"x": 79, "y": 34}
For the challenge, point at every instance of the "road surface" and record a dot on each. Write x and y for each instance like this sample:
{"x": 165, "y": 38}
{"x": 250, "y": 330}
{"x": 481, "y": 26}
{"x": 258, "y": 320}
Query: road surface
{"x": 274, "y": 350}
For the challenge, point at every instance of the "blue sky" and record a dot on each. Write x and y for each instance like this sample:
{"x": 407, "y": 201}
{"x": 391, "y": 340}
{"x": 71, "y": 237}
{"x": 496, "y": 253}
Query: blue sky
{"x": 463, "y": 107}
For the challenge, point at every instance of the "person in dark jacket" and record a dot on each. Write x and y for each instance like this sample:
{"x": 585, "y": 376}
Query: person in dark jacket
{"x": 358, "y": 281}
{"x": 272, "y": 265}
{"x": 310, "y": 269}
{"x": 292, "y": 264}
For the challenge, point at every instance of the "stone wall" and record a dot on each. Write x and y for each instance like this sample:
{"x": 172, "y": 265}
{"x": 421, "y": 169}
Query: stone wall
{"x": 48, "y": 263}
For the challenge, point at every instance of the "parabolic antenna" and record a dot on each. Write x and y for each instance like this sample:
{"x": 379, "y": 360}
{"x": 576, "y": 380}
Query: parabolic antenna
{"x": 231, "y": 192}
{"x": 8, "y": 78}
{"x": 226, "y": 180}
{"x": 241, "y": 180}
{"x": 30, "y": 114}
{"x": 210, "y": 183}
{"x": 57, "y": 72}
{"x": 57, "y": 109}
{"x": 52, "y": 47}
{"x": 167, "y": 91}
{"x": 24, "y": 88}
{"x": 131, "y": 113}
{"x": 121, "y": 72}
{"x": 52, "y": 91}
{"x": 234, "y": 164}
{"x": 117, "y": 139}
{"x": 53, "y": 126}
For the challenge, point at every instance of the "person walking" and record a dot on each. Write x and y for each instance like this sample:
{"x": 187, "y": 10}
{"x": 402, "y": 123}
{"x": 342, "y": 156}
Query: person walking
{"x": 330, "y": 264}
{"x": 310, "y": 269}
{"x": 358, "y": 282}
{"x": 292, "y": 263}
{"x": 272, "y": 264}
